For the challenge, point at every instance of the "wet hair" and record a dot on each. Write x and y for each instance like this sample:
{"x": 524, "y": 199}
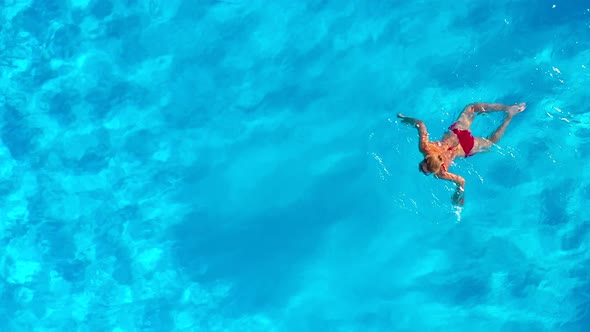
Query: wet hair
{"x": 433, "y": 163}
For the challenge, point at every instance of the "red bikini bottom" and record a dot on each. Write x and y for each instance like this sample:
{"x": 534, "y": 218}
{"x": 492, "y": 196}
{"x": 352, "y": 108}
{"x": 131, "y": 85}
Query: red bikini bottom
{"x": 466, "y": 140}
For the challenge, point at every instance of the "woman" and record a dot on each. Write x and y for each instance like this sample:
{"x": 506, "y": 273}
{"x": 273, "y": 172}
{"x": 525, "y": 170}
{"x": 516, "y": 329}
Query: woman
{"x": 458, "y": 142}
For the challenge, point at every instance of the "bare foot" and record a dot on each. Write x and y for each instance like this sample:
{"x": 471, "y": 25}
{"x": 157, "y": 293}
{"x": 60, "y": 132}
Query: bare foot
{"x": 515, "y": 109}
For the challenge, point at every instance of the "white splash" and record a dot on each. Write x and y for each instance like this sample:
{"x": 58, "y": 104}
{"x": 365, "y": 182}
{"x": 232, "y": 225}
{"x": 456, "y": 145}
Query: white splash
{"x": 381, "y": 164}
{"x": 457, "y": 211}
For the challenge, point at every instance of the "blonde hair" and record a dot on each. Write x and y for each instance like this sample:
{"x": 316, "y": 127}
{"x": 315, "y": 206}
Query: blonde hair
{"x": 433, "y": 163}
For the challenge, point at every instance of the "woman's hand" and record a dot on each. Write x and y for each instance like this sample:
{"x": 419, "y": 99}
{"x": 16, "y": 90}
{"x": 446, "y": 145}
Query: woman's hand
{"x": 459, "y": 196}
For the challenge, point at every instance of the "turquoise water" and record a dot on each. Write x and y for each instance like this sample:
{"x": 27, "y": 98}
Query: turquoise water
{"x": 237, "y": 166}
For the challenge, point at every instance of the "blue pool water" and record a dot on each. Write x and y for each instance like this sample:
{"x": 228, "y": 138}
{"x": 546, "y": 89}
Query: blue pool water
{"x": 176, "y": 165}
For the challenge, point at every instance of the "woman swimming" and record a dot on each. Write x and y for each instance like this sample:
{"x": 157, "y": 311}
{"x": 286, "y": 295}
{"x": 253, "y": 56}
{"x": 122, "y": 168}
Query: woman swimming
{"x": 458, "y": 142}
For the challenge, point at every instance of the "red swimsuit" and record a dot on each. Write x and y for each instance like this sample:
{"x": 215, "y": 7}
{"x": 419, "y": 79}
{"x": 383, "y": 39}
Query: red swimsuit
{"x": 465, "y": 139}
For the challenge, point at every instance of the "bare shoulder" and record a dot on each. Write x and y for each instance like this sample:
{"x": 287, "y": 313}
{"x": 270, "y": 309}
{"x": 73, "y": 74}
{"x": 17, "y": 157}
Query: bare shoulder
{"x": 437, "y": 147}
{"x": 429, "y": 147}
